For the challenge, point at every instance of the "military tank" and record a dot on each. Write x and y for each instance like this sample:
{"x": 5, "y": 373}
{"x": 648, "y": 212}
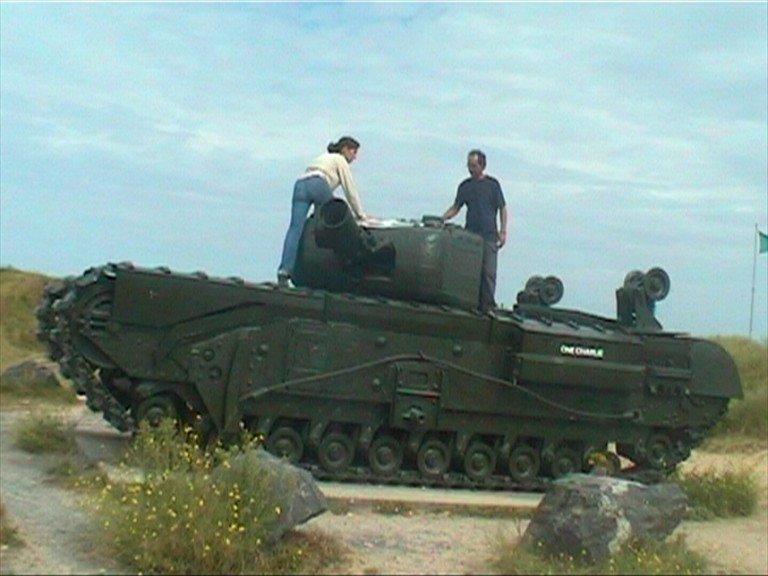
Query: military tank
{"x": 377, "y": 367}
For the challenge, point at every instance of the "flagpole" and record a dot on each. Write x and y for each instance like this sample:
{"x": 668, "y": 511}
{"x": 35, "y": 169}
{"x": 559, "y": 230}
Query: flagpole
{"x": 754, "y": 267}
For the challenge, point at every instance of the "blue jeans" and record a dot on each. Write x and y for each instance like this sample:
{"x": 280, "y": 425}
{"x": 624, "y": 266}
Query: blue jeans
{"x": 312, "y": 191}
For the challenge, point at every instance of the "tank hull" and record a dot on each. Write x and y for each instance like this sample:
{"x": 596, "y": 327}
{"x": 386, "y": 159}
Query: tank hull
{"x": 377, "y": 389}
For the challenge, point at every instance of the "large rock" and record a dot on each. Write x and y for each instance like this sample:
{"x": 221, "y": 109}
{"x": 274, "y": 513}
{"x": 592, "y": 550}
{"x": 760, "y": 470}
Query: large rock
{"x": 292, "y": 489}
{"x": 31, "y": 374}
{"x": 596, "y": 515}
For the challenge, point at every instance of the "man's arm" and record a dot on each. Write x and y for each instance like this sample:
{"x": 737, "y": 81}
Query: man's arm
{"x": 503, "y": 229}
{"x": 451, "y": 212}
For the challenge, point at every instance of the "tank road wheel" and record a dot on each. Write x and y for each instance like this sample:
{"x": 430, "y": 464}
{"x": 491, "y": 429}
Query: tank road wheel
{"x": 565, "y": 461}
{"x": 156, "y": 408}
{"x": 385, "y": 456}
{"x": 524, "y": 463}
{"x": 285, "y": 442}
{"x": 479, "y": 461}
{"x": 335, "y": 452}
{"x": 433, "y": 458}
{"x": 658, "y": 452}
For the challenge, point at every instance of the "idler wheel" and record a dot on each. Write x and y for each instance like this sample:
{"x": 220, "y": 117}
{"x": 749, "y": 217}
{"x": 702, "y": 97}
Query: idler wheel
{"x": 565, "y": 461}
{"x": 93, "y": 316}
{"x": 285, "y": 442}
{"x": 156, "y": 408}
{"x": 658, "y": 452}
{"x": 479, "y": 461}
{"x": 385, "y": 456}
{"x": 524, "y": 463}
{"x": 335, "y": 452}
{"x": 433, "y": 458}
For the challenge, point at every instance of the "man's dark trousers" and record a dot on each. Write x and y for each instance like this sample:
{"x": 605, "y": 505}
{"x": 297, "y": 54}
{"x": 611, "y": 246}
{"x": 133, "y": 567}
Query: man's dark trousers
{"x": 488, "y": 278}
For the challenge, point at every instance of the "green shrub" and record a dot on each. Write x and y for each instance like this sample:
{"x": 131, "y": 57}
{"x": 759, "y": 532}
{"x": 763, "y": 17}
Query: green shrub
{"x": 719, "y": 494}
{"x": 163, "y": 448}
{"x": 636, "y": 557}
{"x": 45, "y": 433}
{"x": 196, "y": 513}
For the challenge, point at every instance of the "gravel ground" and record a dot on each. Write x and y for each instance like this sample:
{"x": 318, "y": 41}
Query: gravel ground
{"x": 60, "y": 536}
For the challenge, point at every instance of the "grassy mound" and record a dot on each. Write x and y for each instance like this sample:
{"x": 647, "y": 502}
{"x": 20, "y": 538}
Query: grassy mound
{"x": 20, "y": 293}
{"x": 748, "y": 417}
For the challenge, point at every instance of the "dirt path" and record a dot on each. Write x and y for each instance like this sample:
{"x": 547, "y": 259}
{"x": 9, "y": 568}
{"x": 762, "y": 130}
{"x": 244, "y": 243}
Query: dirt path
{"x": 422, "y": 543}
{"x": 59, "y": 534}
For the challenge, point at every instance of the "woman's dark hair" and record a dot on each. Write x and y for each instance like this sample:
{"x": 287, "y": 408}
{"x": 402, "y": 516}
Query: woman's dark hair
{"x": 344, "y": 141}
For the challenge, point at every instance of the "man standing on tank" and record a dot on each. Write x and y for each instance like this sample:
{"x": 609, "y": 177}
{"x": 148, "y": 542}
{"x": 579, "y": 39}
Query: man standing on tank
{"x": 484, "y": 200}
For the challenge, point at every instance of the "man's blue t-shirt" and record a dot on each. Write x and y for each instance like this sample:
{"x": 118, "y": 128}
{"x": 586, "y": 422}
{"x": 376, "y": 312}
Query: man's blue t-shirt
{"x": 483, "y": 199}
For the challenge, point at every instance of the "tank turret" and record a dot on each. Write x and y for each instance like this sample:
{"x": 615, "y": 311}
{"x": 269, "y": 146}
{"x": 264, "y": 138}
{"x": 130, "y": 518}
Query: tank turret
{"x": 424, "y": 261}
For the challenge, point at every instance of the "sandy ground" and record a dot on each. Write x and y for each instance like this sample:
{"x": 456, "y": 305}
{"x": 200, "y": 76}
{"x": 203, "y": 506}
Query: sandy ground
{"x": 60, "y": 536}
{"x": 733, "y": 546}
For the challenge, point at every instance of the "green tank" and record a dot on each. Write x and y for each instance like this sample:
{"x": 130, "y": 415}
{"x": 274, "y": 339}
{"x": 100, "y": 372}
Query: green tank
{"x": 376, "y": 366}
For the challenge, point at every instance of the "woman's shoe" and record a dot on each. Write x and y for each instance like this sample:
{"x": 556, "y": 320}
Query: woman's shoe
{"x": 283, "y": 279}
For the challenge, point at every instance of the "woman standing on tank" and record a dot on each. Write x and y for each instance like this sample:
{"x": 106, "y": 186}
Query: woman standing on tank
{"x": 324, "y": 174}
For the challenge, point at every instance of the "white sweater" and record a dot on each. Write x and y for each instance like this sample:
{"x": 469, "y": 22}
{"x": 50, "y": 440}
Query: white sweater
{"x": 334, "y": 168}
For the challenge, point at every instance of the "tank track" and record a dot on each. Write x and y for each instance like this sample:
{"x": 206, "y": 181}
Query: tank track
{"x": 458, "y": 481}
{"x": 58, "y": 312}
{"x": 54, "y": 315}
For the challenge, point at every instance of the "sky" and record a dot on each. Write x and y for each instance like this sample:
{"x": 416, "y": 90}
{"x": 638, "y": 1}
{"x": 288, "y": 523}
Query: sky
{"x": 625, "y": 136}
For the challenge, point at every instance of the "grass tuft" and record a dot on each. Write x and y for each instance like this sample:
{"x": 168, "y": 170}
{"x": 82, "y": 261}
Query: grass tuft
{"x": 45, "y": 433}
{"x": 712, "y": 494}
{"x": 9, "y": 534}
{"x": 635, "y": 557}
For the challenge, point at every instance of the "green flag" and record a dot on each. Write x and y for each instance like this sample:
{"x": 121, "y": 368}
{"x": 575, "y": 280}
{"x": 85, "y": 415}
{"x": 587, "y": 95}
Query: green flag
{"x": 763, "y": 242}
